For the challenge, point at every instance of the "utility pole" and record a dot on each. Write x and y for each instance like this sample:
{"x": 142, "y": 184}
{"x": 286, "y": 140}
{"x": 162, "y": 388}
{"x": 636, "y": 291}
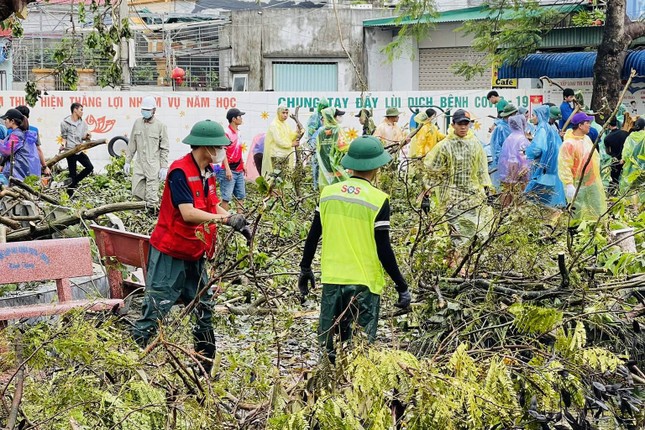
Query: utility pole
{"x": 124, "y": 54}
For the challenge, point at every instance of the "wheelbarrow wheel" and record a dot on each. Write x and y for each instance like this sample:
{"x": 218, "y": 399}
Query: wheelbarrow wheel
{"x": 117, "y": 146}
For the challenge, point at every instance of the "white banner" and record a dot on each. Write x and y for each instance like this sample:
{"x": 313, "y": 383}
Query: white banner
{"x": 112, "y": 113}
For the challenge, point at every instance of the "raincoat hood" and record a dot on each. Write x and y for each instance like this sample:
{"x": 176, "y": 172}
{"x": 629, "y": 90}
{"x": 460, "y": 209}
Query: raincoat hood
{"x": 322, "y": 104}
{"x": 517, "y": 123}
{"x": 542, "y": 113}
{"x": 329, "y": 117}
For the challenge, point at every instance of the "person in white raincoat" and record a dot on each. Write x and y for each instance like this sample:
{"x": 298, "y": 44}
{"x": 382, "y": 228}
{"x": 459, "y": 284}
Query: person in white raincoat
{"x": 149, "y": 143}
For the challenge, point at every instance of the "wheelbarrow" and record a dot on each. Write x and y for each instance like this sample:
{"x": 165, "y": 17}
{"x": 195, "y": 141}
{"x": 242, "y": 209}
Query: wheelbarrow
{"x": 118, "y": 248}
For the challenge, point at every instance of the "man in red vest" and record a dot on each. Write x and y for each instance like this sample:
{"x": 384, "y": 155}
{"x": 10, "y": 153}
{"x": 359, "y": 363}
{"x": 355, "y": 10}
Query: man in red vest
{"x": 185, "y": 233}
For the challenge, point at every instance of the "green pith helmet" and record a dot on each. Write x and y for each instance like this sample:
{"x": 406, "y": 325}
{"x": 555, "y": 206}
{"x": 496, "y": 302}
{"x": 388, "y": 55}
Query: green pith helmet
{"x": 207, "y": 133}
{"x": 554, "y": 112}
{"x": 509, "y": 110}
{"x": 392, "y": 112}
{"x": 365, "y": 153}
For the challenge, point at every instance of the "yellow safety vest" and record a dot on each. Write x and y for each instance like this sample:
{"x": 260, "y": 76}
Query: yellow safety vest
{"x": 347, "y": 213}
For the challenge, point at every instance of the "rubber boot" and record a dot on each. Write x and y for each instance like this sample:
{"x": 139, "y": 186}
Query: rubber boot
{"x": 205, "y": 346}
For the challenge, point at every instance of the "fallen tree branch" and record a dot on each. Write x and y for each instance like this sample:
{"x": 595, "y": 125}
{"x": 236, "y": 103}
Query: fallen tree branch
{"x": 17, "y": 395}
{"x": 441, "y": 302}
{"x": 30, "y": 190}
{"x": 11, "y": 223}
{"x": 76, "y": 149}
{"x": 29, "y": 233}
{"x": 499, "y": 289}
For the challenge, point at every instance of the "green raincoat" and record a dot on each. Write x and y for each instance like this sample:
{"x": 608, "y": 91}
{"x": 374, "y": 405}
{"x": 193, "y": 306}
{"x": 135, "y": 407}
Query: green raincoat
{"x": 633, "y": 157}
{"x": 331, "y": 145}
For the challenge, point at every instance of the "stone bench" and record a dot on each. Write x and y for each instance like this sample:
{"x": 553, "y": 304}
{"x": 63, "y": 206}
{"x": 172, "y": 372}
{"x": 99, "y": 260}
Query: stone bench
{"x": 44, "y": 260}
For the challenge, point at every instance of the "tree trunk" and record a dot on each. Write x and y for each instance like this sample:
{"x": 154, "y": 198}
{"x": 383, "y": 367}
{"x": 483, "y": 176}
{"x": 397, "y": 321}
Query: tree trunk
{"x": 617, "y": 35}
{"x": 8, "y": 7}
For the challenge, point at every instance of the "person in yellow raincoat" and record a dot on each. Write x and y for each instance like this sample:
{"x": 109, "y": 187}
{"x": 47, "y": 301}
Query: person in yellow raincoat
{"x": 633, "y": 160}
{"x": 427, "y": 136}
{"x": 280, "y": 142}
{"x": 590, "y": 203}
{"x": 331, "y": 145}
{"x": 458, "y": 169}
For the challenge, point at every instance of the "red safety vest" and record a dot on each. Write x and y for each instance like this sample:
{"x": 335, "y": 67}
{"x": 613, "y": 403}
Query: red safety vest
{"x": 174, "y": 236}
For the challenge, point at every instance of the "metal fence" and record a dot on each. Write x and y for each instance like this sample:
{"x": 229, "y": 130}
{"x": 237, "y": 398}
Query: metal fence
{"x": 157, "y": 49}
{"x": 192, "y": 46}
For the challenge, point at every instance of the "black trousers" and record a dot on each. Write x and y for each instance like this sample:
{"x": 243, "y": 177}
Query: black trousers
{"x": 88, "y": 168}
{"x": 257, "y": 159}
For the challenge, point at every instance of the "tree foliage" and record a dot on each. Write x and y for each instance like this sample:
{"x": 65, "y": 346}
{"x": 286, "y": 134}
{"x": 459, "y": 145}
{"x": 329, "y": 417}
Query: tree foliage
{"x": 506, "y": 346}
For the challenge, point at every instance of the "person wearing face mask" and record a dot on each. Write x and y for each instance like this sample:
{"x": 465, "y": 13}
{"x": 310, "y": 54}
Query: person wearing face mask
{"x": 428, "y": 135}
{"x": 74, "y": 131}
{"x": 331, "y": 145}
{"x": 185, "y": 235}
{"x": 149, "y": 144}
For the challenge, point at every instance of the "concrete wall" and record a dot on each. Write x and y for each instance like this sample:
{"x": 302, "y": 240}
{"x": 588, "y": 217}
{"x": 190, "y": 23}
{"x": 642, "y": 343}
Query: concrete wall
{"x": 379, "y": 69}
{"x": 445, "y": 36}
{"x": 308, "y": 35}
{"x": 405, "y": 69}
{"x": 402, "y": 74}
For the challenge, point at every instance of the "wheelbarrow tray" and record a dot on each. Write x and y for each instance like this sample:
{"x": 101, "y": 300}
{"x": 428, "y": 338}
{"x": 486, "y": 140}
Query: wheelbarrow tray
{"x": 118, "y": 247}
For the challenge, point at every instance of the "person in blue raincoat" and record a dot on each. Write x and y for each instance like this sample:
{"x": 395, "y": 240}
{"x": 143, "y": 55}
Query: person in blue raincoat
{"x": 544, "y": 185}
{"x": 530, "y": 127}
{"x": 497, "y": 138}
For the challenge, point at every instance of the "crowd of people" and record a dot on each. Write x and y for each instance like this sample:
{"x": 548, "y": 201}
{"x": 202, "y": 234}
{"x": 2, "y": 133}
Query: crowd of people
{"x": 554, "y": 156}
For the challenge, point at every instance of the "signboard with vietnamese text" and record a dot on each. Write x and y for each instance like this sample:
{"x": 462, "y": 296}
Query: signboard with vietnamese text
{"x": 497, "y": 82}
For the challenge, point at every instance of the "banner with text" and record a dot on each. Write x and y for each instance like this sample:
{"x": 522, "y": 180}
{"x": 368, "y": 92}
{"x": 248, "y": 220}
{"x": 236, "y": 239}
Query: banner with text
{"x": 112, "y": 113}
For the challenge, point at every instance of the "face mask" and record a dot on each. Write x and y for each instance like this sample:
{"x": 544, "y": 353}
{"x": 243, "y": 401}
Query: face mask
{"x": 339, "y": 119}
{"x": 218, "y": 156}
{"x": 146, "y": 114}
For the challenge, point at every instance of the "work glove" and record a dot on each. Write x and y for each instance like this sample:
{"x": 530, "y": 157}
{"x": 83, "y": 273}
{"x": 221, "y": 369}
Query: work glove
{"x": 305, "y": 278}
{"x": 425, "y": 205}
{"x": 126, "y": 168}
{"x": 247, "y": 233}
{"x": 163, "y": 172}
{"x": 237, "y": 221}
{"x": 570, "y": 191}
{"x": 405, "y": 298}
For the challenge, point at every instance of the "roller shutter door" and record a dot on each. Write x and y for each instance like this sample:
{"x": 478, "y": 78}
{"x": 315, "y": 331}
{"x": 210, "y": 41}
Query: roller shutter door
{"x": 292, "y": 76}
{"x": 436, "y": 72}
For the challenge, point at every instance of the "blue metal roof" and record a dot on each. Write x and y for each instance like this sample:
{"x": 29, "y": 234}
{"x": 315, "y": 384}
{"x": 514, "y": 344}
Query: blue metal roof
{"x": 635, "y": 60}
{"x": 567, "y": 65}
